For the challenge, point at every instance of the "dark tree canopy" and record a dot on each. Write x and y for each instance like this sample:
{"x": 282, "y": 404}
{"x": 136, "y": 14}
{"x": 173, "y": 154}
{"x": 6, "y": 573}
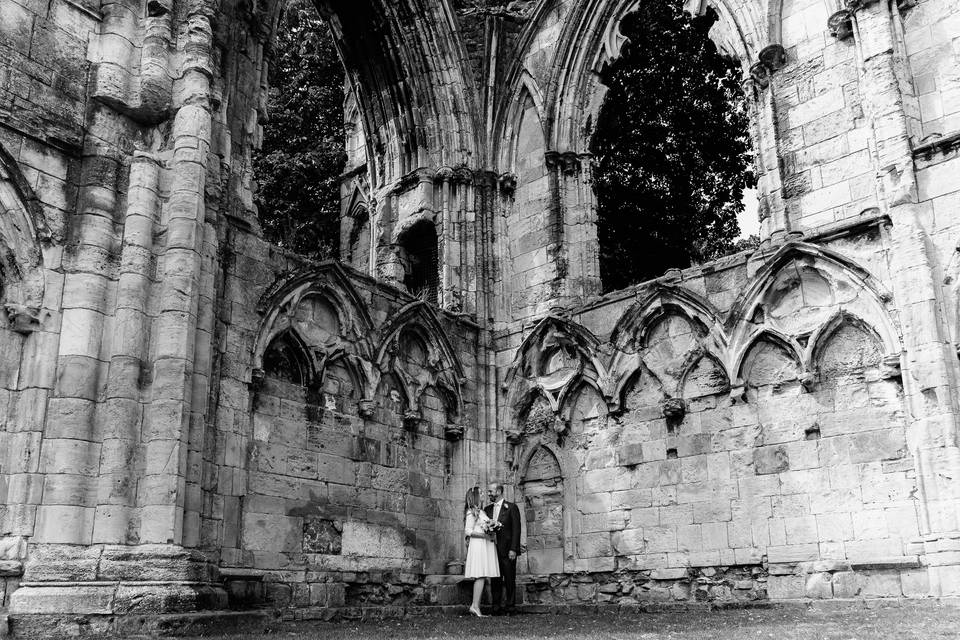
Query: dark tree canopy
{"x": 299, "y": 166}
{"x": 671, "y": 148}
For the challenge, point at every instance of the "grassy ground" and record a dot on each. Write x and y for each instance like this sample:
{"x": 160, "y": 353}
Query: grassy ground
{"x": 908, "y": 623}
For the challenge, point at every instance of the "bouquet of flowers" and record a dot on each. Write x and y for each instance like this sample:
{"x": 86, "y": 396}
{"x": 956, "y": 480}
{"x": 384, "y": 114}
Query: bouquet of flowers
{"x": 490, "y": 527}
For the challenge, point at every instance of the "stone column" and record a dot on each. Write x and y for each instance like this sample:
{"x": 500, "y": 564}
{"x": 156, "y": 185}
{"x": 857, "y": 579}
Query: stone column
{"x": 929, "y": 362}
{"x": 125, "y": 535}
{"x": 579, "y": 207}
{"x": 759, "y": 89}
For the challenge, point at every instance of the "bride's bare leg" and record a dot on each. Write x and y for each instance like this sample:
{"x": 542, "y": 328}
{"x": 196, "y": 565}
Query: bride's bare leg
{"x": 478, "y": 585}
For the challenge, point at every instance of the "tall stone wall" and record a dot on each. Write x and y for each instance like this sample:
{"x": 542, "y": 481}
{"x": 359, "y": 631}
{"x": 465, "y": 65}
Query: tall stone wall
{"x": 193, "y": 419}
{"x": 746, "y": 421}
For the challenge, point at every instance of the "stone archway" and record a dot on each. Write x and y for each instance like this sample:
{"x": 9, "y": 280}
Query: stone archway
{"x": 542, "y": 491}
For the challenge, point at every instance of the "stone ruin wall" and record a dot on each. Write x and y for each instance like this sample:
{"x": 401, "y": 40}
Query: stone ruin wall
{"x": 730, "y": 433}
{"x": 195, "y": 420}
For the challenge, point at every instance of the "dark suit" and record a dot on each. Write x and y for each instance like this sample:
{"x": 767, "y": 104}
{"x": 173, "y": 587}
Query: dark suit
{"x": 508, "y": 539}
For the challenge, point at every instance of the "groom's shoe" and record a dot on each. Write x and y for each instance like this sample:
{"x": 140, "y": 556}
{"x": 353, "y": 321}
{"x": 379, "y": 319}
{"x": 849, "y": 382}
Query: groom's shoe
{"x": 496, "y": 611}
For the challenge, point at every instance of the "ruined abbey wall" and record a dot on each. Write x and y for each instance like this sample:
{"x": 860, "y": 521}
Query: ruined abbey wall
{"x": 195, "y": 420}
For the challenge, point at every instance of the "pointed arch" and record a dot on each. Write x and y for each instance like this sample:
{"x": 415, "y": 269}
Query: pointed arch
{"x": 785, "y": 344}
{"x": 704, "y": 382}
{"x": 631, "y": 335}
{"x": 510, "y": 119}
{"x": 592, "y": 39}
{"x": 442, "y": 368}
{"x": 287, "y": 357}
{"x": 345, "y": 342}
{"x": 635, "y": 324}
{"x": 550, "y": 333}
{"x": 854, "y": 290}
{"x": 824, "y": 336}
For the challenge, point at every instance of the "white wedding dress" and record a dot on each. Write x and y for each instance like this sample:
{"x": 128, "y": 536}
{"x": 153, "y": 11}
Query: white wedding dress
{"x": 481, "y": 552}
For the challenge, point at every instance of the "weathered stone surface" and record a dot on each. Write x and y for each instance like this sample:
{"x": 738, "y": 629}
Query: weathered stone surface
{"x": 177, "y": 394}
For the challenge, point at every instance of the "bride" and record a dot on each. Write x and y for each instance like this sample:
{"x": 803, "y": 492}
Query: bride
{"x": 481, "y": 551}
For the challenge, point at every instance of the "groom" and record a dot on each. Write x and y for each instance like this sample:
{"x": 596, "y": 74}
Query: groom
{"x": 508, "y": 548}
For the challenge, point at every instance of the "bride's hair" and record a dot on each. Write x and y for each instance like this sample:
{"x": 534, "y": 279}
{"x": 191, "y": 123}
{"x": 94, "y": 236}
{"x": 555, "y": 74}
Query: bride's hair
{"x": 472, "y": 501}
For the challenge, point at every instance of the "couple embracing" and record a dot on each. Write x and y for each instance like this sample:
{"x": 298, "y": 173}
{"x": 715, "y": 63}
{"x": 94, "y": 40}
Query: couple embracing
{"x": 493, "y": 544}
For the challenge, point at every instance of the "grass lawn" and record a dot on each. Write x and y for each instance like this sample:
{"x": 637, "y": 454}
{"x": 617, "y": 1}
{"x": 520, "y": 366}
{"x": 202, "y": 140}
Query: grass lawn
{"x": 909, "y": 622}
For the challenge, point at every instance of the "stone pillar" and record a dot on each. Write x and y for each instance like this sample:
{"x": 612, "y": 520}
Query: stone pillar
{"x": 579, "y": 207}
{"x": 761, "y": 99}
{"x": 117, "y": 546}
{"x": 929, "y": 362}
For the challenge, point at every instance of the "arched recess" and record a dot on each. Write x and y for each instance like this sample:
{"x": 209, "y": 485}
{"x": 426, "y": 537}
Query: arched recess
{"x": 22, "y": 228}
{"x": 322, "y": 310}
{"x": 797, "y": 292}
{"x": 355, "y": 231}
{"x": 770, "y": 360}
{"x": 541, "y": 483}
{"x": 665, "y": 332}
{"x": 555, "y": 358}
{"x": 846, "y": 345}
{"x": 705, "y": 376}
{"x": 285, "y": 358}
{"x": 415, "y": 350}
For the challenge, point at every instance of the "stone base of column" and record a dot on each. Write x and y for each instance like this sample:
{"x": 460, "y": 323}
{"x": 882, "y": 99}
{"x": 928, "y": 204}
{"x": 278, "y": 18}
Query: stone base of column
{"x": 942, "y": 557}
{"x": 109, "y": 580}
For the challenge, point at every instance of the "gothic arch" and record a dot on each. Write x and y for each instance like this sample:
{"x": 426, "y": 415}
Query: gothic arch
{"x": 410, "y": 120}
{"x": 510, "y": 119}
{"x": 345, "y": 341}
{"x": 841, "y": 284}
{"x": 442, "y": 369}
{"x": 554, "y": 359}
{"x": 787, "y": 345}
{"x": 632, "y": 333}
{"x": 824, "y": 335}
{"x": 591, "y": 40}
{"x": 22, "y": 229}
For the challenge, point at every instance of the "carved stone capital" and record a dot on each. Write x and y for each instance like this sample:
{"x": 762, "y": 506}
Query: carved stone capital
{"x": 760, "y": 75}
{"x": 514, "y": 437}
{"x": 840, "y": 24}
{"x": 444, "y": 174}
{"x": 453, "y": 432}
{"x": 508, "y": 183}
{"x": 366, "y": 408}
{"x": 552, "y": 159}
{"x": 570, "y": 162}
{"x": 673, "y": 408}
{"x": 774, "y": 56}
{"x": 412, "y": 419}
{"x": 257, "y": 377}
{"x": 23, "y": 319}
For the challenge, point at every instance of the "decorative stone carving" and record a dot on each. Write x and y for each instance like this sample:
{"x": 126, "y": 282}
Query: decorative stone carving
{"x": 453, "y": 432}
{"x": 23, "y": 319}
{"x": 366, "y": 408}
{"x": 840, "y": 24}
{"x": 508, "y": 183}
{"x": 673, "y": 409}
{"x": 412, "y": 419}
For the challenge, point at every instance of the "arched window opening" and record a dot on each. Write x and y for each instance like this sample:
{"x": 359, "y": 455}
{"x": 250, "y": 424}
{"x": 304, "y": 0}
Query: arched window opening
{"x": 419, "y": 252}
{"x": 303, "y": 154}
{"x": 672, "y": 149}
{"x": 358, "y": 244}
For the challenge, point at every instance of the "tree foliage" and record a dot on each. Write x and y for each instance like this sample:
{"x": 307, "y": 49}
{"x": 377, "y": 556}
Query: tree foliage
{"x": 671, "y": 148}
{"x": 303, "y": 155}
